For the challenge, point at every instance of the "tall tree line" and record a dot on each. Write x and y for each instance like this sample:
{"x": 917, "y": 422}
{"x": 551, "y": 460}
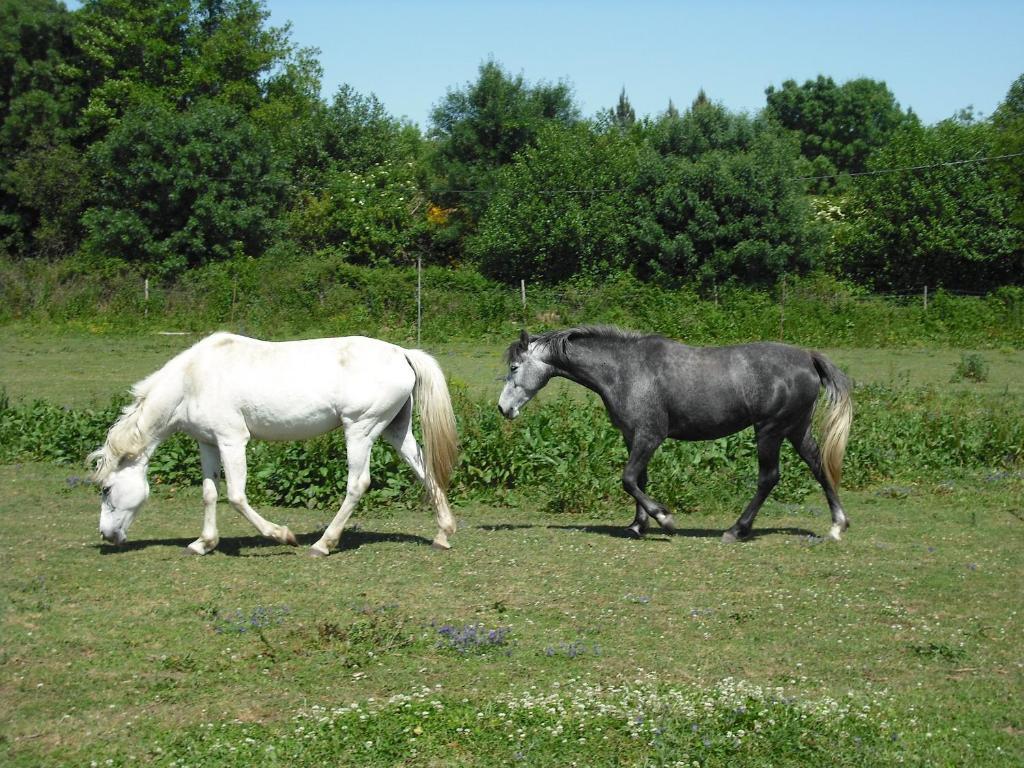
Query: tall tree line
{"x": 162, "y": 135}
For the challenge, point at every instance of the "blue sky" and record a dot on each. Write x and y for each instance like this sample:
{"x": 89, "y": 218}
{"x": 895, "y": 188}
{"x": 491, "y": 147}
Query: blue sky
{"x": 936, "y": 57}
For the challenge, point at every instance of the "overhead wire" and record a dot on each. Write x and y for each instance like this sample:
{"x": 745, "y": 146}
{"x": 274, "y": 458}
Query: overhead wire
{"x": 877, "y": 172}
{"x": 882, "y": 171}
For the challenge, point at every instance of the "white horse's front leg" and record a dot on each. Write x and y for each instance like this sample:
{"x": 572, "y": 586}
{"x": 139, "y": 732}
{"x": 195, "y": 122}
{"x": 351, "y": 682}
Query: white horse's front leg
{"x": 232, "y": 455}
{"x": 207, "y": 542}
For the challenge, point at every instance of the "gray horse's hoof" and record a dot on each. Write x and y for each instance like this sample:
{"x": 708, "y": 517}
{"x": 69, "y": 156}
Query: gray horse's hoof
{"x": 633, "y": 533}
{"x": 668, "y": 524}
{"x": 732, "y": 537}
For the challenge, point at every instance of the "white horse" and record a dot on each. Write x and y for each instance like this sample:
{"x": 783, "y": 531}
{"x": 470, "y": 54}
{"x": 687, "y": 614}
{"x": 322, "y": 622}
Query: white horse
{"x": 227, "y": 389}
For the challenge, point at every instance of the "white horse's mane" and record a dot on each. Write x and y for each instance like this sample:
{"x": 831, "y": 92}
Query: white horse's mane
{"x": 140, "y": 421}
{"x": 127, "y": 438}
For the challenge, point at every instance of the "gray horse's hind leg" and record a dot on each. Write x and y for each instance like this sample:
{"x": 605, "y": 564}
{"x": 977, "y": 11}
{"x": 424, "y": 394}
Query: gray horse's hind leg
{"x": 634, "y": 481}
{"x": 807, "y": 448}
{"x": 768, "y": 445}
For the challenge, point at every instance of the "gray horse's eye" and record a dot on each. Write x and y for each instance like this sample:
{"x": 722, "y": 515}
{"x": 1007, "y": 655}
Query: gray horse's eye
{"x": 514, "y": 367}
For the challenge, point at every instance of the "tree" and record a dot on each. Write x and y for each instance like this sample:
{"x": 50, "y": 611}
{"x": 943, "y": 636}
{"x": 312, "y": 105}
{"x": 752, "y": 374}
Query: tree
{"x": 719, "y": 200}
{"x": 478, "y": 129}
{"x": 1008, "y": 122}
{"x": 231, "y": 52}
{"x": 178, "y": 189}
{"x": 37, "y": 108}
{"x": 175, "y": 53}
{"x": 132, "y": 53}
{"x": 839, "y": 126}
{"x": 623, "y": 116}
{"x": 68, "y": 79}
{"x": 946, "y": 225}
{"x": 563, "y": 207}
{"x": 354, "y": 168}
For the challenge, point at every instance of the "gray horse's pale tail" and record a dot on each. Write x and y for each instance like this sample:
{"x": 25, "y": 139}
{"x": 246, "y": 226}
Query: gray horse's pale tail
{"x": 836, "y": 429}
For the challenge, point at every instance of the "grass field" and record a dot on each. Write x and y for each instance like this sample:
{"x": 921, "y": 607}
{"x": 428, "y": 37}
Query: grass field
{"x": 81, "y": 369}
{"x": 538, "y": 639}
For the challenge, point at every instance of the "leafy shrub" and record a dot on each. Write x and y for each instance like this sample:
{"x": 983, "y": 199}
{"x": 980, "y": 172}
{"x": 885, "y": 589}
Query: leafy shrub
{"x": 285, "y": 294}
{"x": 971, "y": 367}
{"x": 897, "y": 433}
{"x": 181, "y": 188}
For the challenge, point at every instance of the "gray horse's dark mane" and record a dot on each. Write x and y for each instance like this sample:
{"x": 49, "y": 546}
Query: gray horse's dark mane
{"x": 555, "y": 342}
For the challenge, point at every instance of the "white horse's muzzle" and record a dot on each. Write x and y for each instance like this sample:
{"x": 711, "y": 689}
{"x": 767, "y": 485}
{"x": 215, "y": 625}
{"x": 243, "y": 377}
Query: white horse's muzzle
{"x": 113, "y": 537}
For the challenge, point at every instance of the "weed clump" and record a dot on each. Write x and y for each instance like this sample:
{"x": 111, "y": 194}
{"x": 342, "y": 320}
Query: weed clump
{"x": 972, "y": 367}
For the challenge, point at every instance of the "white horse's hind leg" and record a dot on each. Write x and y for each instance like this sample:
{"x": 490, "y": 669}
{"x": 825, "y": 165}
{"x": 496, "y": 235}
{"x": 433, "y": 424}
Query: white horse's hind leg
{"x": 399, "y": 434}
{"x": 233, "y": 458}
{"x": 207, "y": 542}
{"x": 359, "y": 440}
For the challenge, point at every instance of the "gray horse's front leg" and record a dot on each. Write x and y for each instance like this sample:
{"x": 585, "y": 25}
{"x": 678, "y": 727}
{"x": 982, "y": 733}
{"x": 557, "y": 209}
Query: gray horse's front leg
{"x": 634, "y": 481}
{"x": 640, "y": 524}
{"x": 768, "y": 445}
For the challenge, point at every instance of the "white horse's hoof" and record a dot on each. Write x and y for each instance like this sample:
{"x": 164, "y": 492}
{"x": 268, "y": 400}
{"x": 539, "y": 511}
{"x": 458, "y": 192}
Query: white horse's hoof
{"x": 285, "y": 536}
{"x": 199, "y": 547}
{"x": 440, "y": 544}
{"x": 314, "y": 551}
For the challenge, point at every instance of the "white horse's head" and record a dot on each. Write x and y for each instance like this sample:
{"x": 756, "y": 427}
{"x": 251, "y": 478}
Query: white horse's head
{"x": 123, "y": 492}
{"x": 527, "y": 374}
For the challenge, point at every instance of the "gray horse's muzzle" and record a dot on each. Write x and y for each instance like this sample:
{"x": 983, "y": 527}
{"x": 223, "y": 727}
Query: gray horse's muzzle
{"x": 511, "y": 413}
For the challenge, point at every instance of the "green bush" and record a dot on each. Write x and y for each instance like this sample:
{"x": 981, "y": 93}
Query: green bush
{"x": 179, "y": 189}
{"x": 972, "y": 367}
{"x": 285, "y": 294}
{"x": 898, "y": 434}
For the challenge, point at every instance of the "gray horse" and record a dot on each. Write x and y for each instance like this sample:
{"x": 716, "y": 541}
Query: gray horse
{"x": 655, "y": 388}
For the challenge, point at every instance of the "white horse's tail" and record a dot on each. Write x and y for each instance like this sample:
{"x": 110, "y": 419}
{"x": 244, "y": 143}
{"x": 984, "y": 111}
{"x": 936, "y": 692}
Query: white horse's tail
{"x": 836, "y": 429}
{"x": 440, "y": 437}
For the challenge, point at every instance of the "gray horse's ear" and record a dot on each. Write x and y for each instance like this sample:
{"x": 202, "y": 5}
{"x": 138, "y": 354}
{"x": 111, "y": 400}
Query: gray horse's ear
{"x": 524, "y": 339}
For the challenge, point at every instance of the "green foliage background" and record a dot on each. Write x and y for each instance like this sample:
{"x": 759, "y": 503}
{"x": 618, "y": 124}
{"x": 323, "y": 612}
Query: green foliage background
{"x": 901, "y": 433}
{"x": 154, "y": 138}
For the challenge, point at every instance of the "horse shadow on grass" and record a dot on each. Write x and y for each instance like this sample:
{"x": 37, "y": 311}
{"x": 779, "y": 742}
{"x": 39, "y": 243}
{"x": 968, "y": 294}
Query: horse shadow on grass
{"x": 257, "y": 546}
{"x": 654, "y": 534}
{"x": 620, "y": 532}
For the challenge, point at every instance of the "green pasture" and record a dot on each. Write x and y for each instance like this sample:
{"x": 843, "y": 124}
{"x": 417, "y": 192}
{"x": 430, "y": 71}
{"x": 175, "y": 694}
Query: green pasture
{"x": 139, "y": 655}
{"x": 77, "y": 368}
{"x": 540, "y": 639}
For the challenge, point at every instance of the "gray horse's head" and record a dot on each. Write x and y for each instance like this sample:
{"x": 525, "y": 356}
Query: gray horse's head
{"x": 527, "y": 374}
